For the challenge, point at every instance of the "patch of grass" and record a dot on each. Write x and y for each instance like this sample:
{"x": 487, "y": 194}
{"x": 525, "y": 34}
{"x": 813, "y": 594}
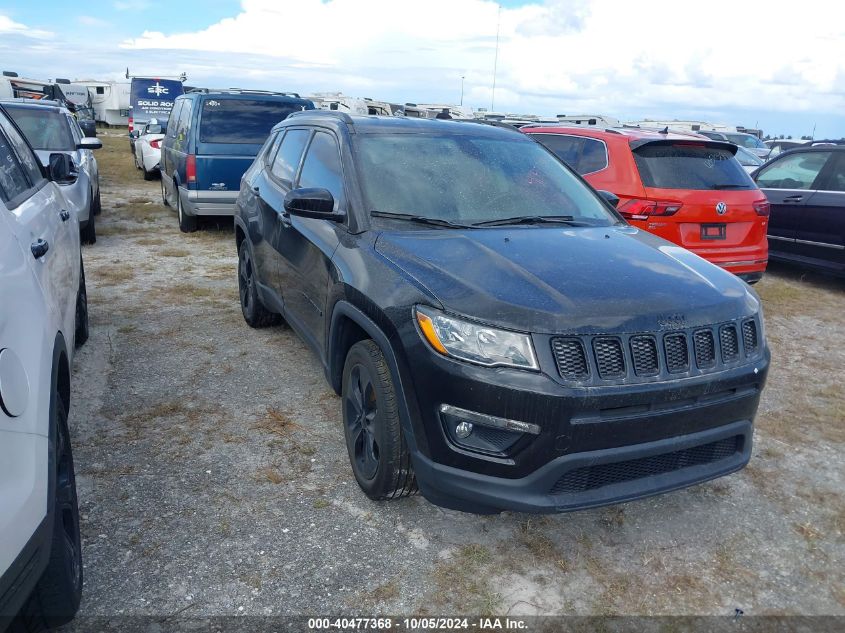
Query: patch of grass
{"x": 268, "y": 473}
{"x": 808, "y": 532}
{"x": 150, "y": 241}
{"x": 462, "y": 582}
{"x": 276, "y": 422}
{"x": 179, "y": 294}
{"x": 321, "y": 503}
{"x": 126, "y": 329}
{"x": 386, "y": 591}
{"x": 173, "y": 252}
{"x": 112, "y": 276}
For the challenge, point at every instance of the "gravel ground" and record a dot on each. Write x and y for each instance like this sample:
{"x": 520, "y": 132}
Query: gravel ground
{"x": 213, "y": 477}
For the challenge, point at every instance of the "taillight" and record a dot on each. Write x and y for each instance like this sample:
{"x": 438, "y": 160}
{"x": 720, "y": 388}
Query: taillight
{"x": 191, "y": 168}
{"x": 762, "y": 207}
{"x": 155, "y": 144}
{"x": 643, "y": 209}
{"x": 131, "y": 124}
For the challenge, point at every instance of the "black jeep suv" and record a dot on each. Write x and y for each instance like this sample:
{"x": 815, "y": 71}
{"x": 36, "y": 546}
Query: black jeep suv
{"x": 500, "y": 337}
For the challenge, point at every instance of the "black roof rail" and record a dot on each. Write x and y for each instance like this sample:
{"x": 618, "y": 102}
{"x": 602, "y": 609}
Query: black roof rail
{"x": 335, "y": 114}
{"x": 244, "y": 91}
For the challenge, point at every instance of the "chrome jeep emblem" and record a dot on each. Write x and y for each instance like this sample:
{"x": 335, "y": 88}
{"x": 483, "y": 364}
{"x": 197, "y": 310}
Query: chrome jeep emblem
{"x": 721, "y": 208}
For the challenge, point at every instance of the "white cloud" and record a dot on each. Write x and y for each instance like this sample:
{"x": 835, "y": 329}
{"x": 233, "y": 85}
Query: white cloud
{"x": 556, "y": 56}
{"x": 10, "y": 27}
{"x": 90, "y": 20}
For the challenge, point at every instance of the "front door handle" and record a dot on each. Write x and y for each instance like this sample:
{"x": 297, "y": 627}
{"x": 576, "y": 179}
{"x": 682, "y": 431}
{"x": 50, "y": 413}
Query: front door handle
{"x": 39, "y": 248}
{"x": 64, "y": 215}
{"x": 797, "y": 198}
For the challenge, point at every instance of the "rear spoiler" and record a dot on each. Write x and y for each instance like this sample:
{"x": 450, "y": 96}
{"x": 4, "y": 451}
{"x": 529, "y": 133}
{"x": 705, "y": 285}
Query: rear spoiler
{"x": 665, "y": 142}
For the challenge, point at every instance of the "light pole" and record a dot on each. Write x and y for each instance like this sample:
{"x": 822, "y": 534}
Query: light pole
{"x": 462, "y": 89}
{"x": 496, "y": 58}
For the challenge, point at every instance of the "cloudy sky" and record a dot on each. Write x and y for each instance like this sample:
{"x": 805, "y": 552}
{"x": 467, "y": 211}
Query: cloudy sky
{"x": 777, "y": 65}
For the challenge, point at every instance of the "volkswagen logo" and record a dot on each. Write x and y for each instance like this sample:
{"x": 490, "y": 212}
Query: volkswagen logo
{"x": 721, "y": 208}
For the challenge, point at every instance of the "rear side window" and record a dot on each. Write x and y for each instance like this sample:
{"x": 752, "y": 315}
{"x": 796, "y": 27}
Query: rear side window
{"x": 45, "y": 129}
{"x": 690, "y": 166}
{"x": 28, "y": 160}
{"x": 797, "y": 171}
{"x": 584, "y": 155}
{"x": 13, "y": 182}
{"x": 290, "y": 151}
{"x": 322, "y": 167}
{"x": 174, "y": 117}
{"x": 241, "y": 120}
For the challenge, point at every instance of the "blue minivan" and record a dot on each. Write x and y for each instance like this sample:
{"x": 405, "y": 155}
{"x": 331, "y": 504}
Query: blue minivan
{"x": 212, "y": 138}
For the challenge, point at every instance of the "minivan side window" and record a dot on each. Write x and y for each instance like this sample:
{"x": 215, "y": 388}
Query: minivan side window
{"x": 13, "y": 181}
{"x": 798, "y": 171}
{"x": 174, "y": 117}
{"x": 183, "y": 126}
{"x": 322, "y": 167}
{"x": 290, "y": 151}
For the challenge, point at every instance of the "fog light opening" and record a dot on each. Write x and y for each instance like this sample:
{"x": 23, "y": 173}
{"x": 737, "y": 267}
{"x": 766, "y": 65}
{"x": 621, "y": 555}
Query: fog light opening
{"x": 463, "y": 430}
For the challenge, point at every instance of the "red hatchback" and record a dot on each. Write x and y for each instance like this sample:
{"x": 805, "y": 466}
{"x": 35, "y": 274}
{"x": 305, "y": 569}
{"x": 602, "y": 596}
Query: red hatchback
{"x": 684, "y": 188}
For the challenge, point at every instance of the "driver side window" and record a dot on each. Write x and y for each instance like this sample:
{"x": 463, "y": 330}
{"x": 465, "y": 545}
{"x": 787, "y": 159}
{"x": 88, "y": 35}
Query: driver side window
{"x": 798, "y": 171}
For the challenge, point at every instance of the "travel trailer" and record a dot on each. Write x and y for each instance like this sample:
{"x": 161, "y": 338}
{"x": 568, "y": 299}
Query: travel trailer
{"x": 110, "y": 100}
{"x": 588, "y": 119}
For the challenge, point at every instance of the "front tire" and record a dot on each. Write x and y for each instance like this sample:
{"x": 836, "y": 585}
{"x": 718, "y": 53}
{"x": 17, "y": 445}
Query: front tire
{"x": 187, "y": 223}
{"x": 255, "y": 313}
{"x": 81, "y": 309}
{"x": 164, "y": 200}
{"x": 375, "y": 442}
{"x": 148, "y": 175}
{"x": 88, "y": 235}
{"x": 97, "y": 206}
{"x": 55, "y": 599}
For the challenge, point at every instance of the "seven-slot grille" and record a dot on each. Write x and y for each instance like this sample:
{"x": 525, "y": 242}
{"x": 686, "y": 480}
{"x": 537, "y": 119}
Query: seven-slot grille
{"x": 610, "y": 359}
{"x": 570, "y": 358}
{"x": 638, "y": 357}
{"x": 644, "y": 355}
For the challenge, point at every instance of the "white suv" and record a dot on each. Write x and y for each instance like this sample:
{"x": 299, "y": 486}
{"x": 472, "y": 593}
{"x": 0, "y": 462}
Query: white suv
{"x": 43, "y": 316}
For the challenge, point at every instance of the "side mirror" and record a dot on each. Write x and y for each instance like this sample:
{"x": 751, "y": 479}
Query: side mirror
{"x": 88, "y": 127}
{"x": 89, "y": 143}
{"x": 61, "y": 168}
{"x": 612, "y": 198}
{"x": 312, "y": 203}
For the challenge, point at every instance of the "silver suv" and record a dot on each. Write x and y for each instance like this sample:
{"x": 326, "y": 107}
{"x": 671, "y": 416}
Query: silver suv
{"x": 50, "y": 128}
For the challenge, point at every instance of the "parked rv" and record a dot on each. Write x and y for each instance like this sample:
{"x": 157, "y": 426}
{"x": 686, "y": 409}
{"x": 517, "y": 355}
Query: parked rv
{"x": 110, "y": 100}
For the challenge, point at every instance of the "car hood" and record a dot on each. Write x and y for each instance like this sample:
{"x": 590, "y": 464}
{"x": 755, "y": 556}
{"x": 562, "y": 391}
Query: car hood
{"x": 579, "y": 280}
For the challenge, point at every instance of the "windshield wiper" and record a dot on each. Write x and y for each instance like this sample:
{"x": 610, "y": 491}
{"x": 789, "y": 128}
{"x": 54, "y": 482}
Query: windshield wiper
{"x": 419, "y": 218}
{"x": 729, "y": 186}
{"x": 569, "y": 220}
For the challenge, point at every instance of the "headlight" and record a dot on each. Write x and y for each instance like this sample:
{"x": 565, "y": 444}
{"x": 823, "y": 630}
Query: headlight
{"x": 474, "y": 342}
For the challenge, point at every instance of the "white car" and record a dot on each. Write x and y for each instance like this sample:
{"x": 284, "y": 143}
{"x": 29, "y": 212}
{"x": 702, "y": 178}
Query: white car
{"x": 43, "y": 316}
{"x": 148, "y": 148}
{"x": 750, "y": 162}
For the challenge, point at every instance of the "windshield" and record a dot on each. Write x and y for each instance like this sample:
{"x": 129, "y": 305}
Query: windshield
{"x": 44, "y": 129}
{"x": 469, "y": 179}
{"x": 241, "y": 120}
{"x": 690, "y": 166}
{"x": 746, "y": 158}
{"x": 746, "y": 140}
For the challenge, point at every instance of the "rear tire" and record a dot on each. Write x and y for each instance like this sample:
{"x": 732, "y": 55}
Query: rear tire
{"x": 187, "y": 223}
{"x": 255, "y": 313}
{"x": 375, "y": 442}
{"x": 88, "y": 235}
{"x": 55, "y": 599}
{"x": 97, "y": 206}
{"x": 81, "y": 309}
{"x": 148, "y": 175}
{"x": 164, "y": 194}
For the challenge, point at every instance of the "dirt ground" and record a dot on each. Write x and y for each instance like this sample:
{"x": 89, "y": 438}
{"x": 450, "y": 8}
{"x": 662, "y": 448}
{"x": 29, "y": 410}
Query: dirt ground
{"x": 213, "y": 476}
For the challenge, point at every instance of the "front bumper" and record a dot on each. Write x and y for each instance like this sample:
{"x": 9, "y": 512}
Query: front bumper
{"x": 593, "y": 478}
{"x": 597, "y": 444}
